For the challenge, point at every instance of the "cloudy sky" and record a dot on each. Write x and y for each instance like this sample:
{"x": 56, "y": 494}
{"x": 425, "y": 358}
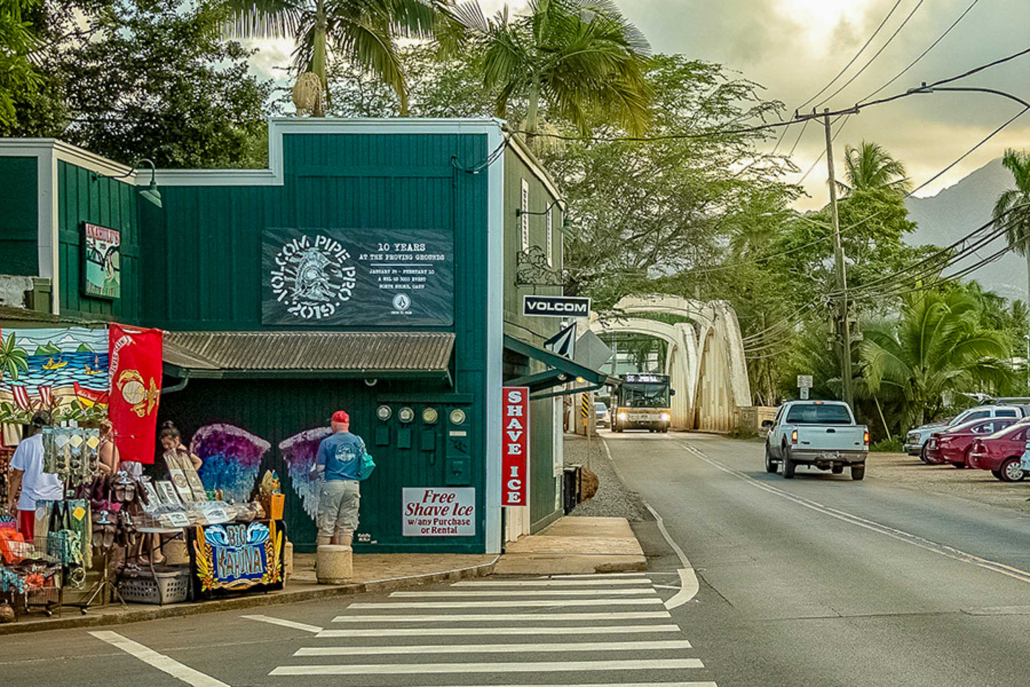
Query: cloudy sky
{"x": 794, "y": 47}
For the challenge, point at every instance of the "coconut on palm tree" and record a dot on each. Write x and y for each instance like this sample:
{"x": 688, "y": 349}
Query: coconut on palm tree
{"x": 936, "y": 346}
{"x": 870, "y": 167}
{"x": 12, "y": 358}
{"x": 577, "y": 57}
{"x": 363, "y": 31}
{"x": 1012, "y": 209}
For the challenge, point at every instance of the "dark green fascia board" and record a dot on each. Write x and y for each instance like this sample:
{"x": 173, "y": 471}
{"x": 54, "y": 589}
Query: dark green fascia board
{"x": 560, "y": 363}
{"x": 181, "y": 373}
{"x": 541, "y": 380}
{"x": 567, "y": 392}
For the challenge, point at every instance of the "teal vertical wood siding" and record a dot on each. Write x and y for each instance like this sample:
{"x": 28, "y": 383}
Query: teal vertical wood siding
{"x": 19, "y": 217}
{"x": 202, "y": 259}
{"x": 84, "y": 196}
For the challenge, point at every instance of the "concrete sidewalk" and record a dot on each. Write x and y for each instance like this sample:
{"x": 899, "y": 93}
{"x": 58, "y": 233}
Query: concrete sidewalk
{"x": 570, "y": 545}
{"x": 372, "y": 573}
{"x": 575, "y": 545}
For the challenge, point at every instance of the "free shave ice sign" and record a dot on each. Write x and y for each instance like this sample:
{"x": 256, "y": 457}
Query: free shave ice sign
{"x": 514, "y": 446}
{"x": 439, "y": 512}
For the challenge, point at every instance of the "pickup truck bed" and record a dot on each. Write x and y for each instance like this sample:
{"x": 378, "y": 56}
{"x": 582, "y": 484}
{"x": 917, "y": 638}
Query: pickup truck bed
{"x": 821, "y": 434}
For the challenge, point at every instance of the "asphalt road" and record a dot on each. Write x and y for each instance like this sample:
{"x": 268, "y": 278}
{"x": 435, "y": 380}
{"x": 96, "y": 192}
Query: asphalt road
{"x": 824, "y": 581}
{"x": 819, "y": 582}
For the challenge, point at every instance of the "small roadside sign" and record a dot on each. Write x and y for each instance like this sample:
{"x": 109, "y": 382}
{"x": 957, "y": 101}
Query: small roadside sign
{"x": 804, "y": 381}
{"x": 804, "y": 393}
{"x": 555, "y": 306}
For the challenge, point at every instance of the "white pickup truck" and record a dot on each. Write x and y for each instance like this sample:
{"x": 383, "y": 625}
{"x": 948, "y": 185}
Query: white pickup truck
{"x": 822, "y": 434}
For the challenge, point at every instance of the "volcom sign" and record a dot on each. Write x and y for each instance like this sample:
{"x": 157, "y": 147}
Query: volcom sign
{"x": 368, "y": 277}
{"x": 556, "y": 306}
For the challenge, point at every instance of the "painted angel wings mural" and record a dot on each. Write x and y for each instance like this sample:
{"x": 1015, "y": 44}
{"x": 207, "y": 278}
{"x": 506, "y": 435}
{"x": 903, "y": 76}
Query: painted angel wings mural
{"x": 299, "y": 451}
{"x": 232, "y": 459}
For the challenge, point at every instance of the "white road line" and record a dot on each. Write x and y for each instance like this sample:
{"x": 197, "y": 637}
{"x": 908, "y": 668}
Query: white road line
{"x": 159, "y": 661}
{"x": 550, "y": 582}
{"x": 549, "y": 647}
{"x": 463, "y": 593}
{"x": 879, "y": 528}
{"x": 500, "y": 617}
{"x": 526, "y": 603}
{"x": 477, "y": 631}
{"x": 464, "y": 668}
{"x": 592, "y": 576}
{"x": 689, "y": 586}
{"x": 284, "y": 623}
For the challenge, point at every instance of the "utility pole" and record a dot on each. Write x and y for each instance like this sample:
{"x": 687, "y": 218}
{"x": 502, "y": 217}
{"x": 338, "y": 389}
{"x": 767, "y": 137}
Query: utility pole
{"x": 842, "y": 276}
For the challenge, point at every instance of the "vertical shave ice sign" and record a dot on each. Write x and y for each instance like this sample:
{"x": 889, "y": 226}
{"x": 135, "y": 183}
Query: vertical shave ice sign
{"x": 515, "y": 446}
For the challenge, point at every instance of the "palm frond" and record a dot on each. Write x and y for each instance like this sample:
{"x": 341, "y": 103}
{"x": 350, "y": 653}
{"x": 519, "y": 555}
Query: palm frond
{"x": 265, "y": 18}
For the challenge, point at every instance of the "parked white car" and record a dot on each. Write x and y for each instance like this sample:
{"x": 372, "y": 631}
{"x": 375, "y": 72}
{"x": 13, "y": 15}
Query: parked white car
{"x": 821, "y": 434}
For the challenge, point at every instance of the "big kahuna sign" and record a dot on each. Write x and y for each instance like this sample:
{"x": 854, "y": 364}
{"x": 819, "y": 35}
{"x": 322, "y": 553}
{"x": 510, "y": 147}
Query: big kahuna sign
{"x": 375, "y": 277}
{"x": 556, "y": 306}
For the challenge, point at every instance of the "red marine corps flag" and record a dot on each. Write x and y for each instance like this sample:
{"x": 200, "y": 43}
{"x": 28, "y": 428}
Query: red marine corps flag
{"x": 136, "y": 365}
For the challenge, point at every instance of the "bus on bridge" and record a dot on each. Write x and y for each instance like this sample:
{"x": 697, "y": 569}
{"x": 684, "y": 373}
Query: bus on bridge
{"x": 642, "y": 401}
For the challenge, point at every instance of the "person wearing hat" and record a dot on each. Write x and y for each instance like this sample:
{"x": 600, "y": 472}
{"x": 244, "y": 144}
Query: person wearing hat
{"x": 339, "y": 462}
{"x": 28, "y": 481}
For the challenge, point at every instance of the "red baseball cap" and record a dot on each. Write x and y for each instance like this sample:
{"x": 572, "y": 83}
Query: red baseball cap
{"x": 341, "y": 416}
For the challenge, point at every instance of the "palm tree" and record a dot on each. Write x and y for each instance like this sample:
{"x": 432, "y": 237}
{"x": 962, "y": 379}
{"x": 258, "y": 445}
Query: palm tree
{"x": 935, "y": 346}
{"x": 362, "y": 31}
{"x": 871, "y": 168}
{"x": 1013, "y": 206}
{"x": 580, "y": 57}
{"x": 12, "y": 358}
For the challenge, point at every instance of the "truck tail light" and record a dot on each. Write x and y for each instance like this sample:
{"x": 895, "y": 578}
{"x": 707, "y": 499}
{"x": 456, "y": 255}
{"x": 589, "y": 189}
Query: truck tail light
{"x": 794, "y": 437}
{"x": 865, "y": 437}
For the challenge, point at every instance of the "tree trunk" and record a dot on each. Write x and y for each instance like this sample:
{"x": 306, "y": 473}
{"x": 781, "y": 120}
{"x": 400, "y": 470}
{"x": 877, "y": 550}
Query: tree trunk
{"x": 534, "y": 105}
{"x": 318, "y": 58}
{"x": 1027, "y": 249}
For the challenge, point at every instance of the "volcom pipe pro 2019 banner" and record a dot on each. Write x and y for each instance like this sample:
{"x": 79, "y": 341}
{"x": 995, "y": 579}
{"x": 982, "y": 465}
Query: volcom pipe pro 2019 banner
{"x": 360, "y": 277}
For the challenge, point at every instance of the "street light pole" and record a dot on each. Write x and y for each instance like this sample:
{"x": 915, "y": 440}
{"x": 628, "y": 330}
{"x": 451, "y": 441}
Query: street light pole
{"x": 842, "y": 277}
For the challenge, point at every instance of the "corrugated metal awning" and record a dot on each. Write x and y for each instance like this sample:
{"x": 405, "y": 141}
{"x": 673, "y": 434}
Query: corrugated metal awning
{"x": 308, "y": 354}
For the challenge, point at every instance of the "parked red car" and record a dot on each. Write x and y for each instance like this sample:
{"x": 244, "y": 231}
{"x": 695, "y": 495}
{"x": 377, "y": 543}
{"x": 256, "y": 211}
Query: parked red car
{"x": 953, "y": 444}
{"x": 1001, "y": 453}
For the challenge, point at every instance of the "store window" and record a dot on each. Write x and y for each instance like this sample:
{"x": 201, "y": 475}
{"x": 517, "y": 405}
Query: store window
{"x": 525, "y": 215}
{"x": 550, "y": 238}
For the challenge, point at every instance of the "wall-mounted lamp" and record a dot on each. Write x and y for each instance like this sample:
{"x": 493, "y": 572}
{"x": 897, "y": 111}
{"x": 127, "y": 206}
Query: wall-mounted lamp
{"x": 565, "y": 226}
{"x": 150, "y": 193}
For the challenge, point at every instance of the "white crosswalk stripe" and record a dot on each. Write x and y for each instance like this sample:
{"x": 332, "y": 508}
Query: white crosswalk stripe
{"x": 564, "y": 625}
{"x": 465, "y": 594}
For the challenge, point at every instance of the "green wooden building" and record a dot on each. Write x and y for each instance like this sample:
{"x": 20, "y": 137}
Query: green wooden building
{"x": 377, "y": 266}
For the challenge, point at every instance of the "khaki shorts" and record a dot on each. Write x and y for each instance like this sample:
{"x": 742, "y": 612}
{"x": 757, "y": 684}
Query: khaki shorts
{"x": 338, "y": 508}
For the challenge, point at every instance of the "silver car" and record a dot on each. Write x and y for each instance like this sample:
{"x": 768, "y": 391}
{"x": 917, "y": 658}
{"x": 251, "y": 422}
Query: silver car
{"x": 602, "y": 417}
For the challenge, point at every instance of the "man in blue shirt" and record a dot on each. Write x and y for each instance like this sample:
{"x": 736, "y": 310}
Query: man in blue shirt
{"x": 339, "y": 462}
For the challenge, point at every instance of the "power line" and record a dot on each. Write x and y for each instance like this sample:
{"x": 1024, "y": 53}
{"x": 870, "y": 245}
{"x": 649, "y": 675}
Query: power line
{"x": 848, "y": 228}
{"x": 925, "y": 52}
{"x": 769, "y": 125}
{"x": 855, "y": 58}
{"x": 873, "y": 58}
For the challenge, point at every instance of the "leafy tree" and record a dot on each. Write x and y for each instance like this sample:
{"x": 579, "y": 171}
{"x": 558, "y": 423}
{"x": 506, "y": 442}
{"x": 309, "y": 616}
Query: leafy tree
{"x": 12, "y": 358}
{"x": 871, "y": 168}
{"x": 1013, "y": 206}
{"x": 579, "y": 57}
{"x": 936, "y": 346}
{"x": 144, "y": 78}
{"x": 363, "y": 32}
{"x": 18, "y": 77}
{"x": 156, "y": 80}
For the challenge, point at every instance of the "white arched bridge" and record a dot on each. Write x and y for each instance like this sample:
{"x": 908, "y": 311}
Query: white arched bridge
{"x": 704, "y": 358}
